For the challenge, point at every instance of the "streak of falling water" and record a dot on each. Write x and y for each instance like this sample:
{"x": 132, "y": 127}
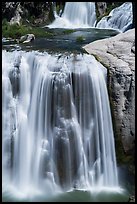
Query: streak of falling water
{"x": 76, "y": 15}
{"x": 57, "y": 128}
{"x": 120, "y": 18}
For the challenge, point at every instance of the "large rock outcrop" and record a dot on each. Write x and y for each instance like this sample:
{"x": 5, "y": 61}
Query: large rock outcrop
{"x": 118, "y": 55}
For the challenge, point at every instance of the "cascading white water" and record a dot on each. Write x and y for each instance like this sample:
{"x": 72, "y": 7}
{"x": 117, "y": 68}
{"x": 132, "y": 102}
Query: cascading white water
{"x": 119, "y": 18}
{"x": 83, "y": 15}
{"x": 76, "y": 15}
{"x": 57, "y": 129}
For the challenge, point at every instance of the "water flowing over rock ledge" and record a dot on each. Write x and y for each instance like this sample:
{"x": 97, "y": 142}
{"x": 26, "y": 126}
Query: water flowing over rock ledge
{"x": 118, "y": 55}
{"x": 58, "y": 138}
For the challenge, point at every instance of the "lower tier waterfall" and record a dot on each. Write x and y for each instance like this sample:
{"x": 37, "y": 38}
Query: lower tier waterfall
{"x": 57, "y": 131}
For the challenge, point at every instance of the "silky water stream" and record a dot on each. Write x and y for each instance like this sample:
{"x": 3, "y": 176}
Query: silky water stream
{"x": 57, "y": 129}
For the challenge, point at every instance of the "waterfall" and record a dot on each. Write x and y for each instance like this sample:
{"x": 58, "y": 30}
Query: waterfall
{"x": 119, "y": 18}
{"x": 83, "y": 15}
{"x": 76, "y": 15}
{"x": 57, "y": 128}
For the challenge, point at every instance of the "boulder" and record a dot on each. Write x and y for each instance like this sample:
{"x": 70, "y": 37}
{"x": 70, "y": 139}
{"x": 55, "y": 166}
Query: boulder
{"x": 27, "y": 38}
{"x": 118, "y": 55}
{"x": 131, "y": 199}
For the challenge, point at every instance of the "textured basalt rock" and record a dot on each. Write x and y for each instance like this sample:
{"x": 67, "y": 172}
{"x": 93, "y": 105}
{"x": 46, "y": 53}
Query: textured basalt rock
{"x": 118, "y": 55}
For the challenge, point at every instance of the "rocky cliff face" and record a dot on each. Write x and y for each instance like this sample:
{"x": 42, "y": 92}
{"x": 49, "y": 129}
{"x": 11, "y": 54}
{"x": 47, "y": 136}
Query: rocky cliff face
{"x": 101, "y": 7}
{"x": 39, "y": 12}
{"x": 118, "y": 55}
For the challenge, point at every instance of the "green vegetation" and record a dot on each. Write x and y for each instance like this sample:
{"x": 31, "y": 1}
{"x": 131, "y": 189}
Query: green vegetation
{"x": 57, "y": 9}
{"x": 68, "y": 31}
{"x": 16, "y": 31}
{"x": 80, "y": 39}
{"x": 110, "y": 7}
{"x": 59, "y": 6}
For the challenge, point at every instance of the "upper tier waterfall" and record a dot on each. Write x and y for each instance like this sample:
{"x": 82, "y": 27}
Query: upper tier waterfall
{"x": 83, "y": 15}
{"x": 76, "y": 15}
{"x": 119, "y": 18}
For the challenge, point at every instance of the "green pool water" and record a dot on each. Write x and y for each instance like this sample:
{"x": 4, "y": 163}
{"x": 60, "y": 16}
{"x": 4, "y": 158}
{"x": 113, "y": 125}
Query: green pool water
{"x": 73, "y": 196}
{"x": 61, "y": 40}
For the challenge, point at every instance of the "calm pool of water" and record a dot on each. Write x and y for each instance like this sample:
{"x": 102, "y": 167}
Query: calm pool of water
{"x": 74, "y": 196}
{"x": 62, "y": 40}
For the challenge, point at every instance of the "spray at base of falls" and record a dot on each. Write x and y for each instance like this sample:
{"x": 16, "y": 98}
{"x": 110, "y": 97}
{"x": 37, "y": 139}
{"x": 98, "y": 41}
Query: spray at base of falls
{"x": 83, "y": 15}
{"x": 57, "y": 128}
